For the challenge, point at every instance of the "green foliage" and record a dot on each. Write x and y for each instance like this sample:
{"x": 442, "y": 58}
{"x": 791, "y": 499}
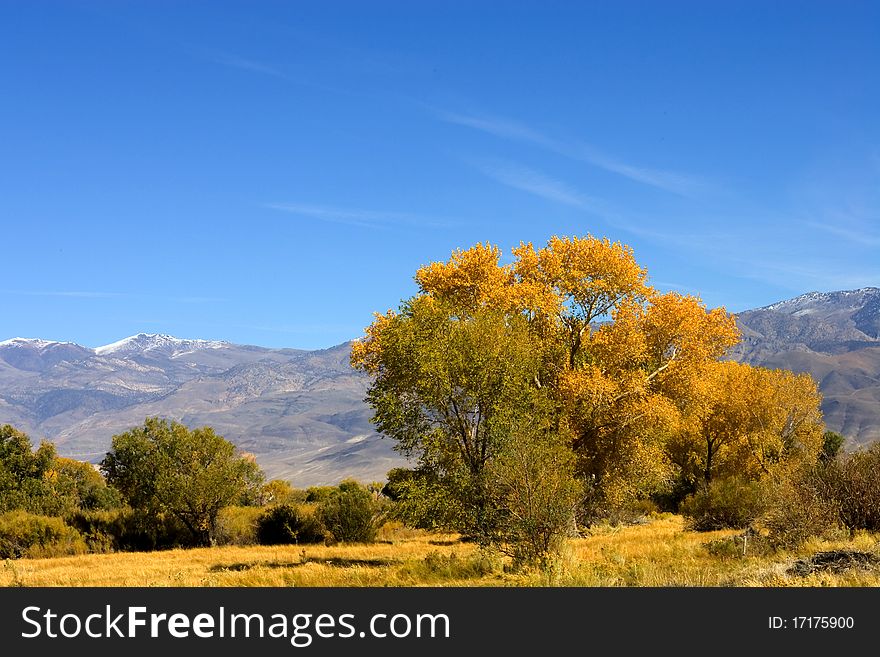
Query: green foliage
{"x": 286, "y": 524}
{"x": 79, "y": 486}
{"x": 396, "y": 482}
{"x": 728, "y": 503}
{"x": 23, "y": 472}
{"x": 537, "y": 494}
{"x": 350, "y": 514}
{"x": 832, "y": 444}
{"x": 24, "y": 534}
{"x": 130, "y": 530}
{"x": 190, "y": 474}
{"x": 421, "y": 502}
{"x": 448, "y": 392}
{"x": 316, "y": 494}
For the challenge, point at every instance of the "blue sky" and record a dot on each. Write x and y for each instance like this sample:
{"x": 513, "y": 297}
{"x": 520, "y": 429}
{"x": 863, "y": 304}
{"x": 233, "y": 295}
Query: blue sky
{"x": 273, "y": 173}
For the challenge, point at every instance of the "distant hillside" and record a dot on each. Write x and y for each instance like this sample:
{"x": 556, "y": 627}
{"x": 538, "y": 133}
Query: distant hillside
{"x": 835, "y": 336}
{"x": 301, "y": 413}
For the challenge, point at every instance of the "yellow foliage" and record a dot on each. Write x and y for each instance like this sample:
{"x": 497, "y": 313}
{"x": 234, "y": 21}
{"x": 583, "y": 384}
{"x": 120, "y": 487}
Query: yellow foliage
{"x": 629, "y": 370}
{"x": 749, "y": 421}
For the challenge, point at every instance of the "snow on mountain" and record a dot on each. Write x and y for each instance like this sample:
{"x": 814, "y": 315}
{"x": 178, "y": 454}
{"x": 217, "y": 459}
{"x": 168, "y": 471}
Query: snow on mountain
{"x": 34, "y": 343}
{"x": 844, "y": 299}
{"x": 156, "y": 342}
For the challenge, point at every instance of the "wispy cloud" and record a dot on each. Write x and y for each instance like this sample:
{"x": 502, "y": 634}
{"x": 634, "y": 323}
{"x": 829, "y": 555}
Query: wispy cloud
{"x": 77, "y": 294}
{"x": 537, "y": 183}
{"x": 814, "y": 275}
{"x": 687, "y": 289}
{"x": 249, "y": 65}
{"x": 670, "y": 181}
{"x": 860, "y": 237}
{"x": 244, "y": 64}
{"x": 500, "y": 127}
{"x": 62, "y": 293}
{"x": 358, "y": 216}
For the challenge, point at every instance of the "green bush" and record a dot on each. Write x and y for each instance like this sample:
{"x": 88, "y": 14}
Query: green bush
{"x": 350, "y": 513}
{"x": 537, "y": 494}
{"x": 24, "y": 534}
{"x": 728, "y": 503}
{"x": 285, "y": 524}
{"x": 127, "y": 530}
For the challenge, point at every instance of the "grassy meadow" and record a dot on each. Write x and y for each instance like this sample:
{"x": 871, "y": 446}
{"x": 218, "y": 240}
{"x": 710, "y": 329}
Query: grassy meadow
{"x": 656, "y": 552}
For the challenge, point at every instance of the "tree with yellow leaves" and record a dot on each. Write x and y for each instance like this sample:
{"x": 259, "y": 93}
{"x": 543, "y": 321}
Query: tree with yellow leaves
{"x": 747, "y": 422}
{"x": 568, "y": 343}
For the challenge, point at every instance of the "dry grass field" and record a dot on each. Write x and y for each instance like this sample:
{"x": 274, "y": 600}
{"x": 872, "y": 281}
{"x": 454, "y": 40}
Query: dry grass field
{"x": 659, "y": 552}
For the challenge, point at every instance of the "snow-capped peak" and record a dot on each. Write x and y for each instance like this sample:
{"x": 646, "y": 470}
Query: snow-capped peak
{"x": 167, "y": 344}
{"x": 813, "y": 298}
{"x": 36, "y": 343}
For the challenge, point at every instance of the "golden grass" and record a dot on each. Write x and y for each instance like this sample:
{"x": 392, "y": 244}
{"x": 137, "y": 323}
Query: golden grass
{"x": 658, "y": 553}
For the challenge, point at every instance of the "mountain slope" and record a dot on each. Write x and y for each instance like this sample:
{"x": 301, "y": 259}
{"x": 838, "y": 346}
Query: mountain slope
{"x": 835, "y": 336}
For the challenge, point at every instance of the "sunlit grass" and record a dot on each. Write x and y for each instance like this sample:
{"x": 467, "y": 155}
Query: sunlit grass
{"x": 659, "y": 552}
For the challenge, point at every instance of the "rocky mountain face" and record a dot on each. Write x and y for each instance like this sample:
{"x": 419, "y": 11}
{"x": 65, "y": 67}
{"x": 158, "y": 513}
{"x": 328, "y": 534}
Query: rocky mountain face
{"x": 834, "y": 336}
{"x": 301, "y": 413}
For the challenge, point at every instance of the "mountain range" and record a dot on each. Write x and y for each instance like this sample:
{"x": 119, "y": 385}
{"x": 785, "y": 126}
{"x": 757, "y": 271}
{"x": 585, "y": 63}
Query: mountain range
{"x": 302, "y": 414}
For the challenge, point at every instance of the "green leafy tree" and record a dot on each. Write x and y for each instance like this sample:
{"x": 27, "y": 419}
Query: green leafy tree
{"x": 832, "y": 445}
{"x": 449, "y": 386}
{"x": 23, "y": 471}
{"x": 79, "y": 486}
{"x": 191, "y": 474}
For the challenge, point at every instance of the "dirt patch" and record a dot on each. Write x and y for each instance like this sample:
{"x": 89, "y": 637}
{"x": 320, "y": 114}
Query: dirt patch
{"x": 834, "y": 561}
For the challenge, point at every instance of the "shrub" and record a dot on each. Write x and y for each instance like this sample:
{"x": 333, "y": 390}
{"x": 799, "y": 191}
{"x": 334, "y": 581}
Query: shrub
{"x": 24, "y": 534}
{"x": 279, "y": 491}
{"x": 350, "y": 513}
{"x": 857, "y": 489}
{"x": 130, "y": 531}
{"x": 285, "y": 523}
{"x": 802, "y": 507}
{"x": 537, "y": 495}
{"x": 835, "y": 494}
{"x": 237, "y": 525}
{"x": 729, "y": 503}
